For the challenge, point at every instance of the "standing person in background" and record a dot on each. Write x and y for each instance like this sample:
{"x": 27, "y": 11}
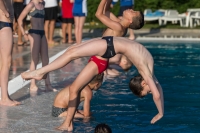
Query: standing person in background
{"x": 67, "y": 20}
{"x": 79, "y": 13}
{"x": 6, "y": 43}
{"x": 37, "y": 38}
{"x": 18, "y": 8}
{"x": 124, "y": 5}
{"x": 51, "y": 11}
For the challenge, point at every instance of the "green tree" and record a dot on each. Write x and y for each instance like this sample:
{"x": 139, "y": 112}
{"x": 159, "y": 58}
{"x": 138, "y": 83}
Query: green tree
{"x": 141, "y": 5}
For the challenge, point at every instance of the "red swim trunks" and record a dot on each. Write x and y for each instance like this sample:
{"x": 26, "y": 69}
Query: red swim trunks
{"x": 101, "y": 64}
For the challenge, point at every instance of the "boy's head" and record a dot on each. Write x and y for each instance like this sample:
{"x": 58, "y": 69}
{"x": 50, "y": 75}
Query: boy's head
{"x": 125, "y": 63}
{"x": 97, "y": 81}
{"x": 136, "y": 18}
{"x": 138, "y": 86}
{"x": 102, "y": 128}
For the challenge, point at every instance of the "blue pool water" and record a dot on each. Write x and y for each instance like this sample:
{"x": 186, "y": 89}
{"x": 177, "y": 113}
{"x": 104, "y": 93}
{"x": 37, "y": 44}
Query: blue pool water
{"x": 177, "y": 67}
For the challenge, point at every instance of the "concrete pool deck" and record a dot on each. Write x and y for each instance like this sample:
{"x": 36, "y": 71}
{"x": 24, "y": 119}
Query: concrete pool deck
{"x": 34, "y": 115}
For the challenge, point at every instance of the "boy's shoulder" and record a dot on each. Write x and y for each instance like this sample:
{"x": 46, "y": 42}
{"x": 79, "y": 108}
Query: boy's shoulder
{"x": 86, "y": 92}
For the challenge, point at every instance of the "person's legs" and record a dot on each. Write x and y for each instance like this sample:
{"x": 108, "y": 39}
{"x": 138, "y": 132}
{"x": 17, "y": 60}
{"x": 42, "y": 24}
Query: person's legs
{"x": 51, "y": 31}
{"x": 82, "y": 80}
{"x": 69, "y": 31}
{"x": 64, "y": 26}
{"x": 45, "y": 61}
{"x": 92, "y": 47}
{"x": 46, "y": 29}
{"x": 76, "y": 20}
{"x": 19, "y": 42}
{"x": 35, "y": 45}
{"x": 81, "y": 22}
{"x": 14, "y": 28}
{"x": 6, "y": 42}
{"x": 19, "y": 7}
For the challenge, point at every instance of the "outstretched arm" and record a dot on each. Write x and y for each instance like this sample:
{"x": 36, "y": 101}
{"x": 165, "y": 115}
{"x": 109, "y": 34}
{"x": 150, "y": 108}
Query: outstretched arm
{"x": 161, "y": 97}
{"x": 107, "y": 19}
{"x": 3, "y": 8}
{"x": 108, "y": 13}
{"x": 156, "y": 92}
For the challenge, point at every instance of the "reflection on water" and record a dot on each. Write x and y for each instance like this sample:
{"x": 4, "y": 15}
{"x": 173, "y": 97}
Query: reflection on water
{"x": 177, "y": 69}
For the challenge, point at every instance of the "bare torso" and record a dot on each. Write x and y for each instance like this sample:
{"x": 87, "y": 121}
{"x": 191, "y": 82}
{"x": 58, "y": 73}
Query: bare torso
{"x": 9, "y": 7}
{"x": 62, "y": 98}
{"x": 111, "y": 32}
{"x": 135, "y": 52}
{"x": 37, "y": 23}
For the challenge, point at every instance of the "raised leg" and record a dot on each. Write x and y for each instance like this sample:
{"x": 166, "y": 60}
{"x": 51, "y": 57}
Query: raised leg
{"x": 86, "y": 49}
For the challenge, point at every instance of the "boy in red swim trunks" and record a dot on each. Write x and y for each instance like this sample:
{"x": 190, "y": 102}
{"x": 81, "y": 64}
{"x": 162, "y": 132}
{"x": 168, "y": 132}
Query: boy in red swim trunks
{"x": 105, "y": 48}
{"x": 101, "y": 64}
{"x": 67, "y": 20}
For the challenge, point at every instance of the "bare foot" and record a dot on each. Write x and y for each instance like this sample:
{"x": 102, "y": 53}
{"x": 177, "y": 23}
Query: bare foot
{"x": 64, "y": 128}
{"x": 17, "y": 103}
{"x": 50, "y": 88}
{"x": 71, "y": 42}
{"x": 52, "y": 42}
{"x": 33, "y": 75}
{"x": 20, "y": 43}
{"x": 63, "y": 41}
{"x": 9, "y": 102}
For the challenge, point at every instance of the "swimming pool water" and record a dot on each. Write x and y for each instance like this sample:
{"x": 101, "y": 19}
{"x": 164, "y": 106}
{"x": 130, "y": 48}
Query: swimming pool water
{"x": 177, "y": 67}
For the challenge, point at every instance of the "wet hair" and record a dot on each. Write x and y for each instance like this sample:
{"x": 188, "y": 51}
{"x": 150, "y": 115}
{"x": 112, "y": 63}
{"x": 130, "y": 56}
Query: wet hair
{"x": 135, "y": 85}
{"x": 97, "y": 78}
{"x": 138, "y": 21}
{"x": 102, "y": 128}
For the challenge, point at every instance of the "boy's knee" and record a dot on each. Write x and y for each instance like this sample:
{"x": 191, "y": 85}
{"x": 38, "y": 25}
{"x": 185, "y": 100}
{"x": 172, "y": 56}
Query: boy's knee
{"x": 72, "y": 53}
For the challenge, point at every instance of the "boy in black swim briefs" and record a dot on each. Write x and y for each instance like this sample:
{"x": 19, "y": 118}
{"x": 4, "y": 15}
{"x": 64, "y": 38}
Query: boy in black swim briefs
{"x": 135, "y": 52}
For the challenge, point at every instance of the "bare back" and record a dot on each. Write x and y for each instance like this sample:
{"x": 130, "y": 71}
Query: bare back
{"x": 62, "y": 98}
